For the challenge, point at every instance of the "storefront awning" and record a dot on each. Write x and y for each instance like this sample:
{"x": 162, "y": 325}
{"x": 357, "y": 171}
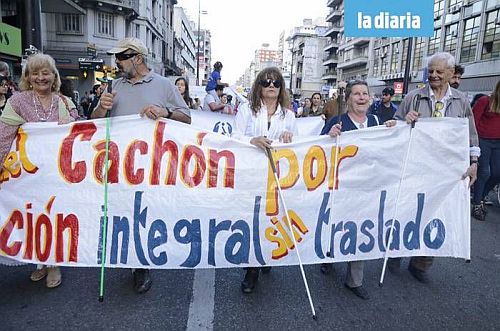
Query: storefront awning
{"x": 61, "y": 7}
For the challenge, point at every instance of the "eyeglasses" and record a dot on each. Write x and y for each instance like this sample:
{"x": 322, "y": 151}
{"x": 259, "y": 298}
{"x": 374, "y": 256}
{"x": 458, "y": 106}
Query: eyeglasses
{"x": 267, "y": 82}
{"x": 123, "y": 56}
{"x": 4, "y": 85}
{"x": 437, "y": 109}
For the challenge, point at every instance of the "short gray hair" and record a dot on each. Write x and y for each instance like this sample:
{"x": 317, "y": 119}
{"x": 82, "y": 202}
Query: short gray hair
{"x": 442, "y": 56}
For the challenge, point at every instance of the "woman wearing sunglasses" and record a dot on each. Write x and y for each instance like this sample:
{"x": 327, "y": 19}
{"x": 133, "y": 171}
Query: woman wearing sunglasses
{"x": 264, "y": 119}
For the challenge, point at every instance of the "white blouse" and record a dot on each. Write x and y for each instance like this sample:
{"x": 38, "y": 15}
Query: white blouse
{"x": 247, "y": 125}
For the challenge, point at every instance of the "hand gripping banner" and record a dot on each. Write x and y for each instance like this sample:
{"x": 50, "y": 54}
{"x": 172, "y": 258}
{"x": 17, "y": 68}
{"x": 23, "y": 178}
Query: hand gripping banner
{"x": 182, "y": 198}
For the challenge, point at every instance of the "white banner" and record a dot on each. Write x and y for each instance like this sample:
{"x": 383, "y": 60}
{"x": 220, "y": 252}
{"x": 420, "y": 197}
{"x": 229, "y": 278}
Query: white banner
{"x": 223, "y": 123}
{"x": 181, "y": 198}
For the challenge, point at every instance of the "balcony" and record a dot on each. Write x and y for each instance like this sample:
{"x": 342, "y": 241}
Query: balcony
{"x": 331, "y": 46}
{"x": 329, "y": 75}
{"x": 334, "y": 15}
{"x": 333, "y": 3}
{"x": 330, "y": 59}
{"x": 360, "y": 41}
{"x": 351, "y": 43}
{"x": 361, "y": 60}
{"x": 127, "y": 6}
{"x": 333, "y": 30}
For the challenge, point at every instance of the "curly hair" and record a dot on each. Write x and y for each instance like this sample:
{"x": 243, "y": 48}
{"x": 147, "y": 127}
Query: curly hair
{"x": 256, "y": 92}
{"x": 37, "y": 62}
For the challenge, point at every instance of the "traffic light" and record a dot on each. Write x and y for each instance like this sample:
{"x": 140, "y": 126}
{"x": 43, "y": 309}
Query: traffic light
{"x": 85, "y": 74}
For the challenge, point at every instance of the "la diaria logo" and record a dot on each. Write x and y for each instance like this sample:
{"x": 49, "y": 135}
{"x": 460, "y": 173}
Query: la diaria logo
{"x": 382, "y": 18}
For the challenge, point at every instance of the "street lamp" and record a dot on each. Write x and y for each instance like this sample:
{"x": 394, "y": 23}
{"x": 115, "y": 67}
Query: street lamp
{"x": 198, "y": 46}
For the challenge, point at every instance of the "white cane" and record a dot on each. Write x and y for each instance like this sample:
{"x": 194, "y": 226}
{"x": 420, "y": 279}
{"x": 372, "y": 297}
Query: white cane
{"x": 335, "y": 165}
{"x": 273, "y": 166}
{"x": 416, "y": 105}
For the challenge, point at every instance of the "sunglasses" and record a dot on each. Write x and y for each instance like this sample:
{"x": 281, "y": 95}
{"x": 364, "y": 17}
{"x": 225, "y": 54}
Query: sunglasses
{"x": 267, "y": 82}
{"x": 437, "y": 109}
{"x": 123, "y": 56}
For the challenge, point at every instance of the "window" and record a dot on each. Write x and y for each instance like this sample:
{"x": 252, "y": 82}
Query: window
{"x": 419, "y": 52}
{"x": 450, "y": 39}
{"x": 105, "y": 24}
{"x": 138, "y": 31}
{"x": 491, "y": 43}
{"x": 404, "y": 58}
{"x": 385, "y": 59}
{"x": 469, "y": 43}
{"x": 434, "y": 42}
{"x": 394, "y": 57}
{"x": 438, "y": 8}
{"x": 376, "y": 62}
{"x": 70, "y": 24}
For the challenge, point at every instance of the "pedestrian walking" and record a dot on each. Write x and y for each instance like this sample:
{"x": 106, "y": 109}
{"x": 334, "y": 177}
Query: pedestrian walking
{"x": 140, "y": 89}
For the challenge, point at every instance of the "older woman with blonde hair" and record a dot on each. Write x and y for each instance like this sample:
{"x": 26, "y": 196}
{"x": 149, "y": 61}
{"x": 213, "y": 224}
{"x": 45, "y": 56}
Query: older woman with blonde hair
{"x": 266, "y": 117}
{"x": 38, "y": 101}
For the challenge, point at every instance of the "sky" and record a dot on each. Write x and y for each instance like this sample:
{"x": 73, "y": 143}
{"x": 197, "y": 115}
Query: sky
{"x": 239, "y": 27}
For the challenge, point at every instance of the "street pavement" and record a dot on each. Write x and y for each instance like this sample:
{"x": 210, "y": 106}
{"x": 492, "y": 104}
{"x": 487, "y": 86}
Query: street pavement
{"x": 460, "y": 296}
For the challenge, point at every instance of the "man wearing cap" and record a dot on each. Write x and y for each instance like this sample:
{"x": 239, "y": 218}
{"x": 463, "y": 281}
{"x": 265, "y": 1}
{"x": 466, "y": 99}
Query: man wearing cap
{"x": 438, "y": 99}
{"x": 140, "y": 90}
{"x": 384, "y": 109}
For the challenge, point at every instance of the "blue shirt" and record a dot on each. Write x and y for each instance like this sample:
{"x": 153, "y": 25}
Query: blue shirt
{"x": 382, "y": 112}
{"x": 212, "y": 80}
{"x": 347, "y": 123}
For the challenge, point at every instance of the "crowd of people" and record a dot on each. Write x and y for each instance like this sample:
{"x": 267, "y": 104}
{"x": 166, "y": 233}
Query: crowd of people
{"x": 268, "y": 116}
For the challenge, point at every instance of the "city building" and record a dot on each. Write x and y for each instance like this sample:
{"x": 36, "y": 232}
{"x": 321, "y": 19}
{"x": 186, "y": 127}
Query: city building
{"x": 331, "y": 51}
{"x": 307, "y": 44}
{"x": 204, "y": 55}
{"x": 185, "y": 59}
{"x": 468, "y": 29}
{"x": 264, "y": 57}
{"x": 77, "y": 33}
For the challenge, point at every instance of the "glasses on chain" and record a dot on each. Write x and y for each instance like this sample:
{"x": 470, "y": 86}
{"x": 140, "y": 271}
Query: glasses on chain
{"x": 437, "y": 109}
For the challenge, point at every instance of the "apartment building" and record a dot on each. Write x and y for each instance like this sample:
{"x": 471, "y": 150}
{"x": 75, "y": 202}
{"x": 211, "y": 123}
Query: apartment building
{"x": 468, "y": 29}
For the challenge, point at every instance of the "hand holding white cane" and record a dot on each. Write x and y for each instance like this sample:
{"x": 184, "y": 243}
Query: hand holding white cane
{"x": 416, "y": 105}
{"x": 273, "y": 166}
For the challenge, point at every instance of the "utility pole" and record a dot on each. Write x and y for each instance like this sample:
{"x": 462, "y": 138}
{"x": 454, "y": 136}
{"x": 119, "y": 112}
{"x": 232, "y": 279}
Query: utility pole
{"x": 198, "y": 47}
{"x": 406, "y": 78}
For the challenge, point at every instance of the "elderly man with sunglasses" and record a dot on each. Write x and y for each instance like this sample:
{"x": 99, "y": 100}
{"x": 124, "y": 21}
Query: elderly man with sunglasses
{"x": 438, "y": 99}
{"x": 140, "y": 90}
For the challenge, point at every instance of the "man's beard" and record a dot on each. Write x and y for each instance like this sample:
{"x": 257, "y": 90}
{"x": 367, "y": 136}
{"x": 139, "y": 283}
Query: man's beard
{"x": 455, "y": 85}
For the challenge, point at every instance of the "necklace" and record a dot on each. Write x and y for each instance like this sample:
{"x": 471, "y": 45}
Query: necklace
{"x": 51, "y": 108}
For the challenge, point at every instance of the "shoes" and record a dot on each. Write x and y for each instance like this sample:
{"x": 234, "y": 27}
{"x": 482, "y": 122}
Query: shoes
{"x": 39, "y": 274}
{"x": 251, "y": 278}
{"x": 421, "y": 276}
{"x": 266, "y": 270}
{"x": 478, "y": 212}
{"x": 326, "y": 268}
{"x": 394, "y": 265}
{"x": 142, "y": 281}
{"x": 487, "y": 201}
{"x": 359, "y": 291}
{"x": 53, "y": 277}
